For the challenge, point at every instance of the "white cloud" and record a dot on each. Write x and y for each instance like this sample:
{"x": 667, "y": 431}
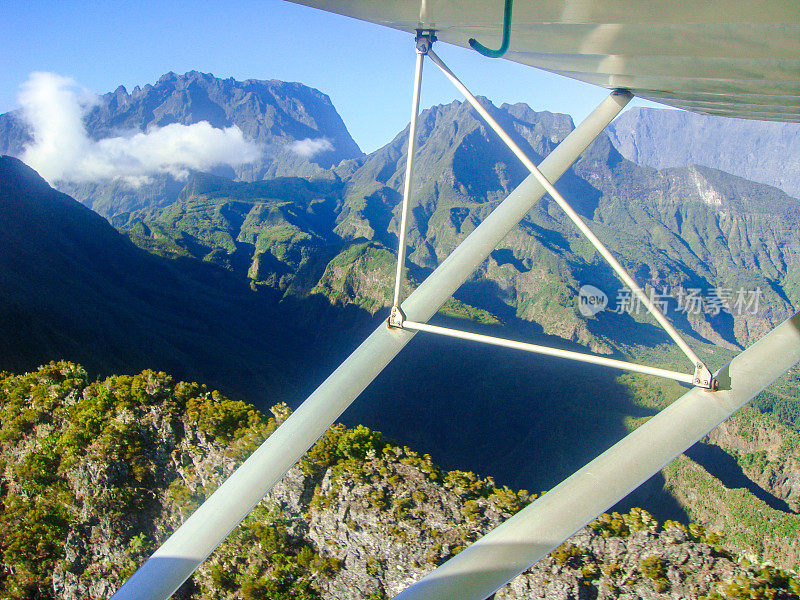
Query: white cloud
{"x": 54, "y": 106}
{"x": 308, "y": 147}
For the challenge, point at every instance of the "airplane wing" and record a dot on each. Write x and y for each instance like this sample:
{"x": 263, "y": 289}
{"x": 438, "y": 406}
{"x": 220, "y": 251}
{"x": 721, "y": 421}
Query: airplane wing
{"x": 734, "y": 59}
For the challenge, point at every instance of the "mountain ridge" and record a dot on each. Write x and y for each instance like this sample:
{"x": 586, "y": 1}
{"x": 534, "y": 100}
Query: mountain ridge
{"x": 279, "y": 116}
{"x": 463, "y": 172}
{"x": 767, "y": 152}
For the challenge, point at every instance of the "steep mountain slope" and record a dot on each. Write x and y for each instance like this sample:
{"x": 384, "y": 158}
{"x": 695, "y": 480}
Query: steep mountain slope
{"x": 97, "y": 474}
{"x": 764, "y": 152}
{"x": 744, "y": 479}
{"x": 274, "y": 231}
{"x": 286, "y": 119}
{"x": 72, "y": 286}
{"x": 721, "y": 231}
{"x": 80, "y": 291}
{"x": 696, "y": 227}
{"x": 680, "y": 229}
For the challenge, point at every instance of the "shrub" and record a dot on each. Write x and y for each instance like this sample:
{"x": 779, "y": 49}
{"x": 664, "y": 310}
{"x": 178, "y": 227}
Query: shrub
{"x": 471, "y": 510}
{"x": 639, "y": 519}
{"x": 653, "y": 567}
{"x": 611, "y": 525}
{"x": 466, "y": 484}
{"x": 569, "y": 555}
{"x": 324, "y": 452}
{"x": 220, "y": 417}
{"x": 359, "y": 443}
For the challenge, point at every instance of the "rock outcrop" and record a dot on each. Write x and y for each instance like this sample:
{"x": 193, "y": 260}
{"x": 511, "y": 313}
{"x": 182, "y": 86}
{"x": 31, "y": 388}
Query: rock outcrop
{"x": 96, "y": 474}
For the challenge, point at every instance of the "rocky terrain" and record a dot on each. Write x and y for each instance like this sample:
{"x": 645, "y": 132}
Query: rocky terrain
{"x": 95, "y": 474}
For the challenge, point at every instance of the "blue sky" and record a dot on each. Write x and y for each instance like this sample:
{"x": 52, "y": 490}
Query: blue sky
{"x": 365, "y": 69}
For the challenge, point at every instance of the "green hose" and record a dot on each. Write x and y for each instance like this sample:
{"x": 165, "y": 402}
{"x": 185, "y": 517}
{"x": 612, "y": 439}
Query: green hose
{"x": 476, "y": 45}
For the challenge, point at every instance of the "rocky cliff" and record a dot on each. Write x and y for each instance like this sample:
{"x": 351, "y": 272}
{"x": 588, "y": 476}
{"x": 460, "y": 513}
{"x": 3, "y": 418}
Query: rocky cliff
{"x": 96, "y": 474}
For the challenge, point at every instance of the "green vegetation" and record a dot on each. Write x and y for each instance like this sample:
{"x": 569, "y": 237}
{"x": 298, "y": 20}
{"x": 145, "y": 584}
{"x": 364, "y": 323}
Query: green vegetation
{"x": 275, "y": 233}
{"x": 782, "y": 400}
{"x": 764, "y": 583}
{"x": 274, "y": 566}
{"x": 653, "y": 568}
{"x": 617, "y": 525}
{"x": 134, "y": 454}
{"x": 71, "y": 447}
{"x": 751, "y": 527}
{"x": 460, "y": 310}
{"x": 361, "y": 274}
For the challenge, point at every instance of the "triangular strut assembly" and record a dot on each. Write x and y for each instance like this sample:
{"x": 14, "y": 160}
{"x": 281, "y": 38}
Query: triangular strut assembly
{"x": 204, "y": 530}
{"x": 702, "y": 375}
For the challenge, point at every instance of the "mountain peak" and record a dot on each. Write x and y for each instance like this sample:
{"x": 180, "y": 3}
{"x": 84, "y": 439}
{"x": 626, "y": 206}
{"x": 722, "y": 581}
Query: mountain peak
{"x": 298, "y": 128}
{"x": 167, "y": 77}
{"x": 273, "y": 113}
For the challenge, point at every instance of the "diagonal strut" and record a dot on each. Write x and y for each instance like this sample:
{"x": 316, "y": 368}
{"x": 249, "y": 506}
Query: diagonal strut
{"x": 424, "y": 41}
{"x": 702, "y": 375}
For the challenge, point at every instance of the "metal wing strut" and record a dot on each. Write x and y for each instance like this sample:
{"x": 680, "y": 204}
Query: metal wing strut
{"x": 511, "y": 548}
{"x": 204, "y": 530}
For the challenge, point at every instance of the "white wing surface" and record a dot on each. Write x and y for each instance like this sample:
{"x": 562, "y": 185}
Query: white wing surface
{"x": 718, "y": 57}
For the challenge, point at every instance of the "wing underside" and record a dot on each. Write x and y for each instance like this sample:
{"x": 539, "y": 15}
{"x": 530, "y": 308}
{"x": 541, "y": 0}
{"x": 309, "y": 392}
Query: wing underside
{"x": 733, "y": 59}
